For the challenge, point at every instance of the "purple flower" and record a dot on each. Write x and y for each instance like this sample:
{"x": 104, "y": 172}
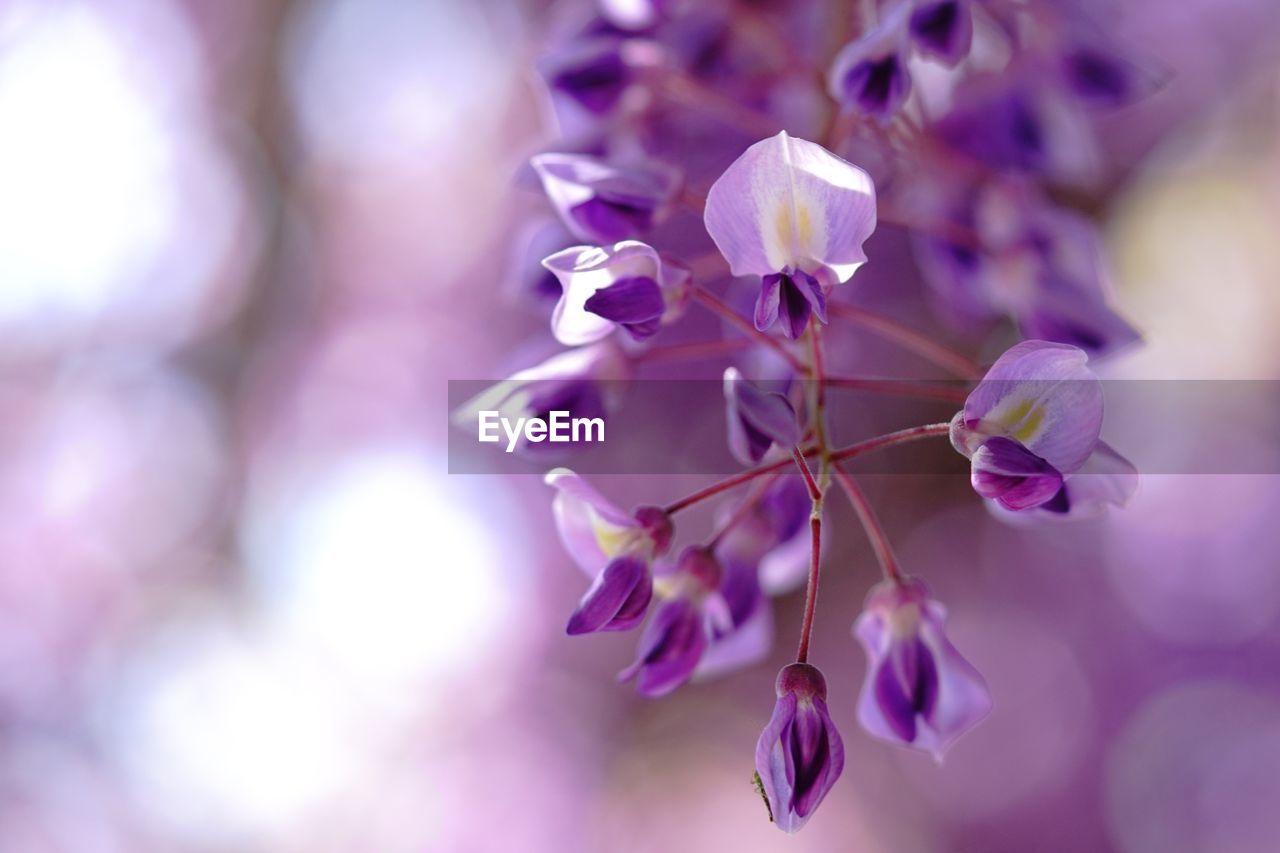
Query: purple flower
{"x": 604, "y": 203}
{"x": 796, "y": 215}
{"x": 870, "y": 75}
{"x": 757, "y": 419}
{"x": 918, "y": 690}
{"x": 591, "y": 73}
{"x": 799, "y": 755}
{"x": 1100, "y": 76}
{"x": 1034, "y": 419}
{"x": 584, "y": 381}
{"x": 682, "y": 626}
{"x": 614, "y": 548}
{"x": 774, "y": 537}
{"x": 1037, "y": 263}
{"x": 1022, "y": 120}
{"x": 942, "y": 29}
{"x": 1105, "y": 479}
{"x": 626, "y": 285}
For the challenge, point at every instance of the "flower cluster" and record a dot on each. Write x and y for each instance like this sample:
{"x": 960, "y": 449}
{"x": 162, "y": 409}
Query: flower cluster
{"x": 700, "y": 160}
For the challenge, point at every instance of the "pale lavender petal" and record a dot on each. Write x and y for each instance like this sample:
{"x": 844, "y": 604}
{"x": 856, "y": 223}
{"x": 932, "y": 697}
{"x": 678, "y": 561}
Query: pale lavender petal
{"x": 617, "y": 600}
{"x": 787, "y": 203}
{"x": 756, "y": 419}
{"x": 592, "y": 529}
{"x": 749, "y": 643}
{"x": 771, "y": 764}
{"x": 585, "y": 271}
{"x": 963, "y": 697}
{"x": 1076, "y": 318}
{"x": 601, "y": 202}
{"x": 1043, "y": 396}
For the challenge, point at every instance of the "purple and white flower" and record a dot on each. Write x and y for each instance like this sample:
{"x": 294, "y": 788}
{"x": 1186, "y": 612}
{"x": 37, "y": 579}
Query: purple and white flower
{"x": 918, "y": 690}
{"x": 1033, "y": 420}
{"x": 627, "y": 285}
{"x": 602, "y": 202}
{"x": 615, "y": 548}
{"x": 691, "y": 612}
{"x": 942, "y": 29}
{"x": 800, "y": 754}
{"x": 757, "y": 420}
{"x": 585, "y": 381}
{"x": 870, "y": 75}
{"x": 796, "y": 215}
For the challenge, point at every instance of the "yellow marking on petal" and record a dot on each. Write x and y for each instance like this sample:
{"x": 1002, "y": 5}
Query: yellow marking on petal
{"x": 610, "y": 538}
{"x": 1024, "y": 421}
{"x": 794, "y": 232}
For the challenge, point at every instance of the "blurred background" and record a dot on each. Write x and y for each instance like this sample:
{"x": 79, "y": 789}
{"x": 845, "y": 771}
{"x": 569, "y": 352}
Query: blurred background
{"x": 244, "y": 607}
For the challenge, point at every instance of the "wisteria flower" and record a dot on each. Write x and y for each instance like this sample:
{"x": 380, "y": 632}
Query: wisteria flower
{"x": 870, "y": 74}
{"x": 592, "y": 73}
{"x": 614, "y": 547}
{"x": 942, "y": 29}
{"x": 690, "y": 612}
{"x": 757, "y": 419}
{"x": 602, "y": 202}
{"x": 800, "y": 754}
{"x": 1037, "y": 263}
{"x": 918, "y": 690}
{"x": 626, "y": 286}
{"x": 1034, "y": 419}
{"x": 1106, "y": 479}
{"x": 584, "y": 381}
{"x": 796, "y": 215}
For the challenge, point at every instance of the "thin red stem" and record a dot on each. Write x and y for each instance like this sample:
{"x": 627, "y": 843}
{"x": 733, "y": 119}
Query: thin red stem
{"x": 693, "y": 350}
{"x": 921, "y": 344}
{"x": 811, "y": 592}
{"x": 815, "y": 494}
{"x": 889, "y": 439}
{"x": 871, "y": 524}
{"x": 901, "y": 436}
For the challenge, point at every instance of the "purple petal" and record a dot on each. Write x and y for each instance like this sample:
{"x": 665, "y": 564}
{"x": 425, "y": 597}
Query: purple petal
{"x": 918, "y": 690}
{"x": 1005, "y": 470}
{"x": 1077, "y": 319}
{"x": 669, "y": 649}
{"x": 618, "y": 599}
{"x": 943, "y": 29}
{"x": 628, "y": 300}
{"x": 963, "y": 697}
{"x": 601, "y": 202}
{"x": 1104, "y": 78}
{"x": 585, "y": 272}
{"x": 772, "y": 763}
{"x": 876, "y": 86}
{"x": 769, "y": 300}
{"x": 756, "y": 419}
{"x": 1043, "y": 396}
{"x": 594, "y": 75}
{"x": 811, "y": 746}
{"x": 787, "y": 203}
{"x": 1106, "y": 479}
